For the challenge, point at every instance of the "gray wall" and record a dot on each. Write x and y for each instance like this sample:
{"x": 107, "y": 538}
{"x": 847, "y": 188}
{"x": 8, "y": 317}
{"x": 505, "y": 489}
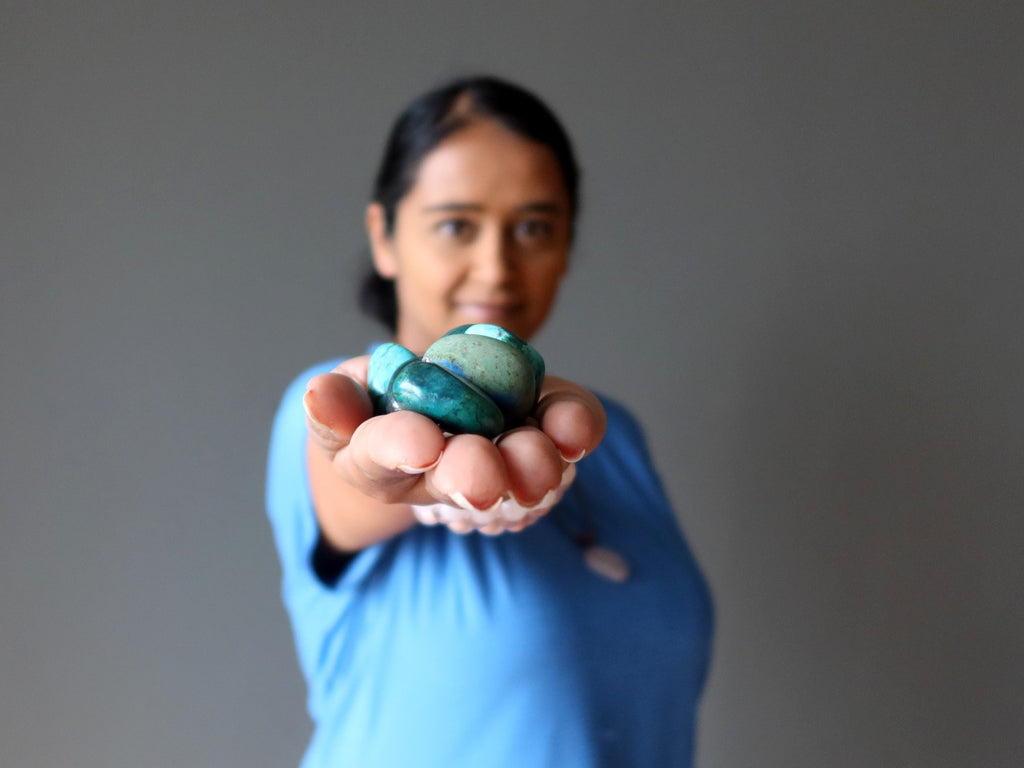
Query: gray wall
{"x": 800, "y": 263}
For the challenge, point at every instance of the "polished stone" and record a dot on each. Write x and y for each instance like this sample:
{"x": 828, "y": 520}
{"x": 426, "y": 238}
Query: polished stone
{"x": 496, "y": 367}
{"x": 501, "y": 334}
{"x": 455, "y": 404}
{"x": 477, "y": 378}
{"x": 385, "y": 361}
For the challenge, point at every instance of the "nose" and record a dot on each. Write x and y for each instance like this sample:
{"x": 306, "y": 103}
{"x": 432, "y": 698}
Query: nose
{"x": 494, "y": 257}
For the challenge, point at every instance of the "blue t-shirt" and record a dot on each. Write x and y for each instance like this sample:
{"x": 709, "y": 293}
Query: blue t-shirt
{"x": 438, "y": 649}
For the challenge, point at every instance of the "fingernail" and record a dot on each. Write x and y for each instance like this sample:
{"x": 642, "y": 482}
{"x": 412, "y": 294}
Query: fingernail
{"x": 409, "y": 470}
{"x": 320, "y": 427}
{"x": 464, "y": 503}
{"x": 573, "y": 460}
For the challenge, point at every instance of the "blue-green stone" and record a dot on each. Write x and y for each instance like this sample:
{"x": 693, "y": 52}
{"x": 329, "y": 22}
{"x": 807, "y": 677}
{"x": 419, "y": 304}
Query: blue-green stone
{"x": 477, "y": 378}
{"x": 501, "y": 334}
{"x": 498, "y": 368}
{"x": 457, "y": 406}
{"x": 384, "y": 364}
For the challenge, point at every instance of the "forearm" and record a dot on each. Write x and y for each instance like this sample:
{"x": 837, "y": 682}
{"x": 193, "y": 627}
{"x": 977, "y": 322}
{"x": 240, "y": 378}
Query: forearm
{"x": 350, "y": 520}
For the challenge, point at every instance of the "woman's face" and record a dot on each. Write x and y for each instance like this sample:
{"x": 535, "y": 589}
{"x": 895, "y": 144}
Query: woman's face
{"x": 481, "y": 237}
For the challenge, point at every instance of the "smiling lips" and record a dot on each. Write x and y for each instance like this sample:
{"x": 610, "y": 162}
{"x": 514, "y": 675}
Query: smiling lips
{"x": 486, "y": 311}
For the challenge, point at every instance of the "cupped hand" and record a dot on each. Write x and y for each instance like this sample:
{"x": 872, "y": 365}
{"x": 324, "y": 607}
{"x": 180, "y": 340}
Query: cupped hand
{"x": 466, "y": 482}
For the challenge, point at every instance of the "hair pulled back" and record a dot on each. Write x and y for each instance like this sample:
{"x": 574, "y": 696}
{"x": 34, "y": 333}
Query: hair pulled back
{"x": 430, "y": 119}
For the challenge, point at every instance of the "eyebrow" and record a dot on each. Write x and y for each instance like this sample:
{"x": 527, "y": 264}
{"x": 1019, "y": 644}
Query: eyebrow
{"x": 450, "y": 207}
{"x": 537, "y": 207}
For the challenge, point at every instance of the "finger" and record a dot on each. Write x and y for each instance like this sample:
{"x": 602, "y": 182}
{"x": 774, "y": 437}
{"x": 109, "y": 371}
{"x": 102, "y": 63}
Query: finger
{"x": 470, "y": 474}
{"x": 335, "y": 407}
{"x": 571, "y": 417}
{"x": 356, "y": 368}
{"x": 533, "y": 464}
{"x": 461, "y": 526}
{"x": 493, "y": 528}
{"x": 527, "y": 521}
{"x": 516, "y": 527}
{"x": 388, "y": 456}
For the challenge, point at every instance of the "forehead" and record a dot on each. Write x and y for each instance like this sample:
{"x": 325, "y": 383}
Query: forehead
{"x": 485, "y": 162}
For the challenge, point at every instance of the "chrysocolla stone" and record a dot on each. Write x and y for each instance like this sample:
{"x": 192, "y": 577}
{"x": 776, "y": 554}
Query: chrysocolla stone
{"x": 477, "y": 378}
{"x": 499, "y": 369}
{"x": 501, "y": 334}
{"x": 455, "y": 404}
{"x": 384, "y": 364}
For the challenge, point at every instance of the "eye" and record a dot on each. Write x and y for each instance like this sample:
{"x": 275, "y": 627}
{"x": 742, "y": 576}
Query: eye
{"x": 534, "y": 230}
{"x": 456, "y": 228}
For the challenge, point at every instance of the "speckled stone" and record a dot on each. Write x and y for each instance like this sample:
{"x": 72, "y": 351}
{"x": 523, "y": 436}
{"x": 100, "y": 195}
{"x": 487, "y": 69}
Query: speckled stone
{"x": 498, "y": 368}
{"x": 501, "y": 334}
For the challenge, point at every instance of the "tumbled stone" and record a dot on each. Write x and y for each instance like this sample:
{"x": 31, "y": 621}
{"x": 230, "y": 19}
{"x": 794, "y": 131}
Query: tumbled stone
{"x": 385, "y": 361}
{"x": 455, "y": 404}
{"x": 477, "y": 378}
{"x": 498, "y": 368}
{"x": 501, "y": 334}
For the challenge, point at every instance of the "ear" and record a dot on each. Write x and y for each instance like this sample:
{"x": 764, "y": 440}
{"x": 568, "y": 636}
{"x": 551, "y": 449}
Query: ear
{"x": 381, "y": 245}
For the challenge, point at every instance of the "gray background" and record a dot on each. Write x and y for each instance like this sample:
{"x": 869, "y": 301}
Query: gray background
{"x": 800, "y": 264}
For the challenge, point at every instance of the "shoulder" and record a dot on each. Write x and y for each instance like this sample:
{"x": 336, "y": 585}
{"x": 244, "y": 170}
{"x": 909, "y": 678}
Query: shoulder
{"x": 619, "y": 416}
{"x": 624, "y": 431}
{"x": 624, "y": 457}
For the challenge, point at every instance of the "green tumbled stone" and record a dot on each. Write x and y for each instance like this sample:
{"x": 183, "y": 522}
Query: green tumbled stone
{"x": 497, "y": 367}
{"x": 478, "y": 378}
{"x": 501, "y": 334}
{"x": 456, "y": 405}
{"x": 384, "y": 364}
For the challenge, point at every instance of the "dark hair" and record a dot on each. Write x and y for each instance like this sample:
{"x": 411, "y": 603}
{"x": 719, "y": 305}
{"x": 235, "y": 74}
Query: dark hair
{"x": 429, "y": 120}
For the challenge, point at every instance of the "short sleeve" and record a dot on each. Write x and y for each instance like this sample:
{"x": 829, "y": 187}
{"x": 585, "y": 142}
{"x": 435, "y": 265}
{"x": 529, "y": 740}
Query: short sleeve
{"x": 315, "y": 608}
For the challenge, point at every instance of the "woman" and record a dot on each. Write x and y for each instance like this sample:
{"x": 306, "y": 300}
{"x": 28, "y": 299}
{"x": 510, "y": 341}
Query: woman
{"x": 578, "y": 637}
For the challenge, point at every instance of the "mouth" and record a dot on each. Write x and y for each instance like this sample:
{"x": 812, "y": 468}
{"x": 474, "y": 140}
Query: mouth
{"x": 488, "y": 312}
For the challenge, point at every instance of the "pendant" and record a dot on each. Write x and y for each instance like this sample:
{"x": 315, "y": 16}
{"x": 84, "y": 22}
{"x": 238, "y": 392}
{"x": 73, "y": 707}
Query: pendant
{"x": 606, "y": 563}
